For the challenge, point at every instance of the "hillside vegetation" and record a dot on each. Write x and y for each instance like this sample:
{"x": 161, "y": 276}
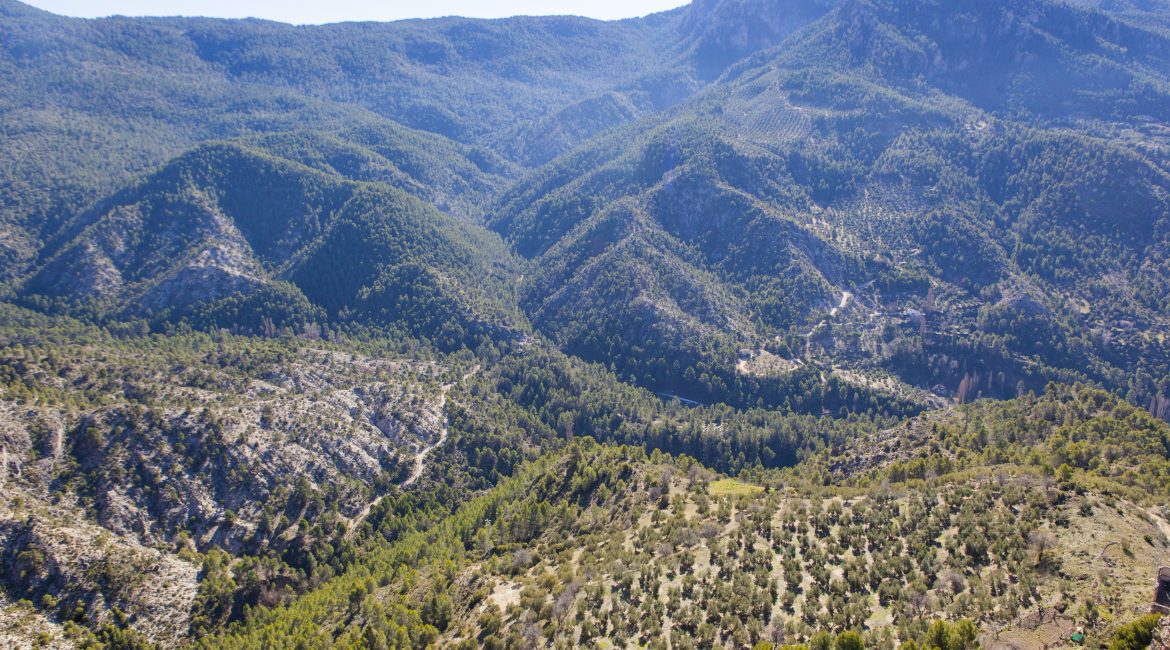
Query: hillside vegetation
{"x": 602, "y": 544}
{"x": 807, "y": 324}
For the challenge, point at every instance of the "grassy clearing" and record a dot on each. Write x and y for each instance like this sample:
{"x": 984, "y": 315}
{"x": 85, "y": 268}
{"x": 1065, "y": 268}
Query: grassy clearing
{"x": 730, "y": 486}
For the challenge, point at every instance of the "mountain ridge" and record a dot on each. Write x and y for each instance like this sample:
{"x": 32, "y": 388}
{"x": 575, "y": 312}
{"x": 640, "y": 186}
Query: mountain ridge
{"x": 763, "y": 324}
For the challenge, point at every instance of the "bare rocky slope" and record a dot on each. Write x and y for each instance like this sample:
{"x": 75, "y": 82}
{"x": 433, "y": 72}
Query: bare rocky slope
{"x": 123, "y": 460}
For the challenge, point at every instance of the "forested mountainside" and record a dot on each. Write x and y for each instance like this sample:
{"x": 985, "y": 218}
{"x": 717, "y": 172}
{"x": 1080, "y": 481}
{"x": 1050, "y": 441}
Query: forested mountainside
{"x": 920, "y": 225}
{"x": 752, "y": 323}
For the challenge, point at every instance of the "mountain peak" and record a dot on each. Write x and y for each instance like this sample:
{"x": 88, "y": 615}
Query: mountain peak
{"x": 13, "y": 9}
{"x": 725, "y": 31}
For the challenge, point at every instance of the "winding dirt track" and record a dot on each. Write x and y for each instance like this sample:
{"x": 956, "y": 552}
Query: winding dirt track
{"x": 419, "y": 460}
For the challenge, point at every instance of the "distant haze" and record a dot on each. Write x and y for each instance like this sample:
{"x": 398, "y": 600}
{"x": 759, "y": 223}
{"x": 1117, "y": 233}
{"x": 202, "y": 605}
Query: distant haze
{"x": 351, "y": 10}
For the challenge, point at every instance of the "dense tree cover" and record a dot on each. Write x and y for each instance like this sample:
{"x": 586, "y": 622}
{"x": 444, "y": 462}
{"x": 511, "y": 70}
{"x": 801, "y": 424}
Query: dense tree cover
{"x": 748, "y": 235}
{"x": 1069, "y": 431}
{"x": 910, "y": 45}
{"x": 304, "y": 251}
{"x": 699, "y": 219}
{"x": 149, "y": 88}
{"x": 675, "y": 239}
{"x": 582, "y": 399}
{"x": 998, "y": 250}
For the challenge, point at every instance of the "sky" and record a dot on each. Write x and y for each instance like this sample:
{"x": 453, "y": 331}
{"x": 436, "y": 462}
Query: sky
{"x": 316, "y": 12}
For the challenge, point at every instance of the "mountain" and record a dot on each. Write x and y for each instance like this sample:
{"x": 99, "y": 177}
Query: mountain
{"x": 1041, "y": 61}
{"x": 847, "y": 166}
{"x": 236, "y": 234}
{"x": 809, "y": 323}
{"x": 722, "y": 32}
{"x": 89, "y": 104}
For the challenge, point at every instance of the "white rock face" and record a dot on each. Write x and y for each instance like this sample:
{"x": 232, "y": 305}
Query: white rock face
{"x": 99, "y": 498}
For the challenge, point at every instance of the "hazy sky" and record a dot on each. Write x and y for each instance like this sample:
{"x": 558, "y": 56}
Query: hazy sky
{"x": 292, "y": 11}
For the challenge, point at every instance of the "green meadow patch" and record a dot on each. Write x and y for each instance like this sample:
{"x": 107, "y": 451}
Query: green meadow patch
{"x": 730, "y": 486}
